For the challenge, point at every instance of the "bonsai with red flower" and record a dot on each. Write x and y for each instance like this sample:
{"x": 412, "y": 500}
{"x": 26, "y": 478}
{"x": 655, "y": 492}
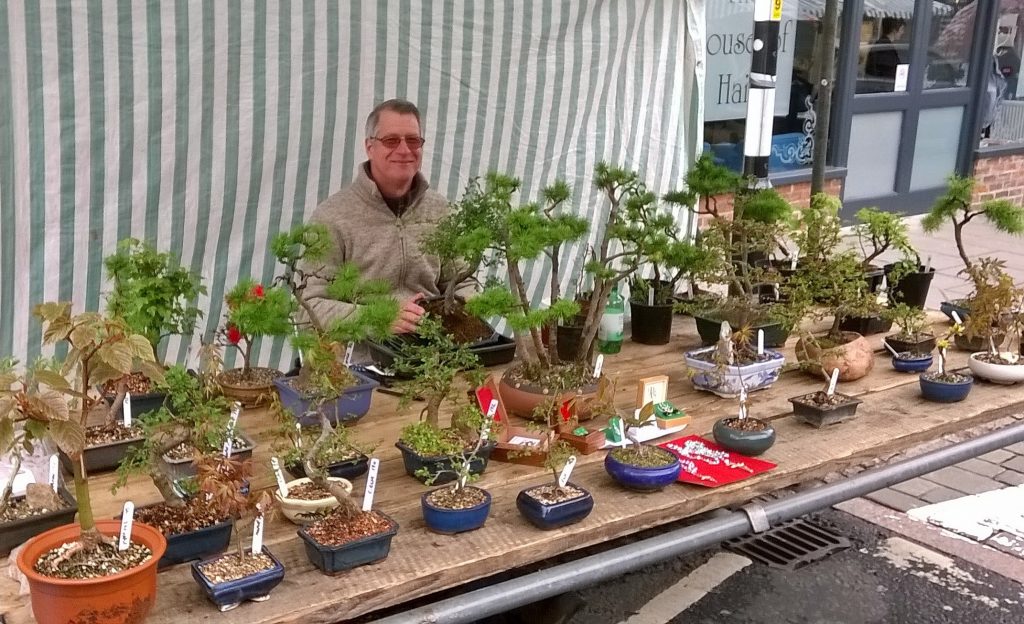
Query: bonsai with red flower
{"x": 253, "y": 311}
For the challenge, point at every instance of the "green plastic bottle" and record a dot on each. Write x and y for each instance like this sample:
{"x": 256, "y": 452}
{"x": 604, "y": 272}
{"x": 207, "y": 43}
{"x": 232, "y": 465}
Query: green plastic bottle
{"x": 609, "y": 334}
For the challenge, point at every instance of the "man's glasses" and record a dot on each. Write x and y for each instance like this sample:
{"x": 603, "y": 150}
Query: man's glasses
{"x": 392, "y": 142}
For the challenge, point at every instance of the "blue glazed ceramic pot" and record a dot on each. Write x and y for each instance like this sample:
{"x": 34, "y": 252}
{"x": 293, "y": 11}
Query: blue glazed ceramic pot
{"x": 554, "y": 515}
{"x": 451, "y": 521}
{"x": 914, "y": 365}
{"x": 641, "y": 478}
{"x": 230, "y": 594}
{"x": 332, "y": 560}
{"x": 944, "y": 392}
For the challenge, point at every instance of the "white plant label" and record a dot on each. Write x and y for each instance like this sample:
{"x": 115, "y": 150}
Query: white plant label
{"x": 622, "y": 432}
{"x": 792, "y": 262}
{"x": 725, "y": 331}
{"x": 485, "y": 428}
{"x": 889, "y": 347}
{"x": 54, "y": 472}
{"x": 760, "y": 342}
{"x": 956, "y": 318}
{"x": 126, "y": 409}
{"x": 563, "y": 477}
{"x": 371, "y": 484}
{"x": 236, "y": 410}
{"x": 226, "y": 450}
{"x": 927, "y": 263}
{"x": 743, "y": 403}
{"x": 598, "y": 366}
{"x": 281, "y": 484}
{"x": 650, "y": 296}
{"x": 832, "y": 381}
{"x": 257, "y": 535}
{"x": 127, "y": 517}
{"x": 298, "y": 438}
{"x": 689, "y": 288}
{"x": 349, "y": 350}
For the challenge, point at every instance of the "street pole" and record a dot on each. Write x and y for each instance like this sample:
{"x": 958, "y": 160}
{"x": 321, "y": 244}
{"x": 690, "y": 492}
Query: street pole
{"x": 757, "y": 143}
{"x": 823, "y": 97}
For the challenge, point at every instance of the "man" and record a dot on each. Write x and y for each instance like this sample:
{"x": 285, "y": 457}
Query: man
{"x": 884, "y": 57}
{"x": 377, "y": 222}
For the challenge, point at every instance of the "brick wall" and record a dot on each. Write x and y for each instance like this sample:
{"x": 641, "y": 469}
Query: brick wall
{"x": 999, "y": 177}
{"x": 798, "y": 194}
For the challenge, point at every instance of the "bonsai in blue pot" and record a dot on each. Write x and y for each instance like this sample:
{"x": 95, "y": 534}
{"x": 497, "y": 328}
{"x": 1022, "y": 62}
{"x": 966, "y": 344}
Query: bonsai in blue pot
{"x": 457, "y": 507}
{"x": 557, "y": 503}
{"x": 245, "y": 573}
{"x": 640, "y": 466}
{"x": 943, "y": 386}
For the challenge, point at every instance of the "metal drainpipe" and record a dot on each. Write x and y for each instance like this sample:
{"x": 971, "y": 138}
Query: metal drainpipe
{"x": 613, "y": 563}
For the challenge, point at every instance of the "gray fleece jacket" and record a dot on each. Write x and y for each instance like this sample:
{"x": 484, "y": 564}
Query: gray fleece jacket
{"x": 382, "y": 245}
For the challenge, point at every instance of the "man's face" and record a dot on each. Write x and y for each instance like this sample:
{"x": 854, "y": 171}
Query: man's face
{"x": 400, "y": 164}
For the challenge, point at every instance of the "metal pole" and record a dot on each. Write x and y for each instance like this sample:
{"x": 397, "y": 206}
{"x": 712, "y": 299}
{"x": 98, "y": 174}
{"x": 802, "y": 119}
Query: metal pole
{"x": 757, "y": 141}
{"x": 823, "y": 95}
{"x": 613, "y": 563}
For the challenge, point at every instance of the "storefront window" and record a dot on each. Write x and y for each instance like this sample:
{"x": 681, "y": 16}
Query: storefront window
{"x": 729, "y": 48}
{"x": 885, "y": 37}
{"x": 949, "y": 48}
{"x": 1007, "y": 119}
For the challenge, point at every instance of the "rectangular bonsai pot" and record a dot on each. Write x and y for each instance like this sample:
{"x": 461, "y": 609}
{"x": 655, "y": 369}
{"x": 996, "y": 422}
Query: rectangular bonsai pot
{"x": 332, "y": 560}
{"x": 181, "y": 468}
{"x": 727, "y": 381}
{"x": 17, "y": 532}
{"x": 254, "y": 586}
{"x": 820, "y": 417}
{"x": 494, "y": 351}
{"x": 142, "y": 403}
{"x": 104, "y": 456}
{"x": 349, "y": 407}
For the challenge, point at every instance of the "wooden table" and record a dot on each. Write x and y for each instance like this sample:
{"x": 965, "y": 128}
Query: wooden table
{"x": 893, "y": 417}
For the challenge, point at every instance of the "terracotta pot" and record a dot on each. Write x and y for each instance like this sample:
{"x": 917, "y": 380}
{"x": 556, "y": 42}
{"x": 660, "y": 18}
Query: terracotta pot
{"x": 854, "y": 358}
{"x": 126, "y": 597}
{"x": 248, "y": 396}
{"x": 523, "y": 400}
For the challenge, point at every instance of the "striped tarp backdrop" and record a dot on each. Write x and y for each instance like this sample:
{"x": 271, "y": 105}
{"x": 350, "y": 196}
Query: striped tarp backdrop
{"x": 209, "y": 127}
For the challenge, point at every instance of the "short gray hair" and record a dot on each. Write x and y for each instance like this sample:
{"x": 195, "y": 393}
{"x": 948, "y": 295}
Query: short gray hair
{"x": 395, "y": 105}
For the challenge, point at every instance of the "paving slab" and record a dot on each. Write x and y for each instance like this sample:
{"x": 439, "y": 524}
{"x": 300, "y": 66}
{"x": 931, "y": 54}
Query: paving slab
{"x": 895, "y": 500}
{"x": 1017, "y": 463}
{"x": 981, "y": 467}
{"x": 1010, "y": 477}
{"x": 914, "y": 487}
{"x": 963, "y": 480}
{"x": 997, "y": 456}
{"x": 940, "y": 494}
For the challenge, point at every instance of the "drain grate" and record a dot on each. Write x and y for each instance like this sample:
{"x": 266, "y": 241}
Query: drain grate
{"x": 789, "y": 546}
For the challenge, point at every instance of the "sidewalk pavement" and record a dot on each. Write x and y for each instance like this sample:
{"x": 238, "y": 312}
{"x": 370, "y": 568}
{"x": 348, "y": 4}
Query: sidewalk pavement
{"x": 1002, "y": 471}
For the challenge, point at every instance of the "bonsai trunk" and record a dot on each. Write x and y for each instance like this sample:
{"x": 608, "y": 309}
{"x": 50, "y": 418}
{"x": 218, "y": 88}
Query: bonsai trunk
{"x": 164, "y": 442}
{"x": 554, "y": 293}
{"x": 433, "y": 406}
{"x": 958, "y": 236}
{"x": 90, "y": 535}
{"x": 111, "y": 418}
{"x": 318, "y": 475}
{"x": 5, "y": 495}
{"x": 516, "y": 278}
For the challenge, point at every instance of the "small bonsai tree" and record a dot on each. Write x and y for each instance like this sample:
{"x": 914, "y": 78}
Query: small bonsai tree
{"x": 292, "y": 442}
{"x": 98, "y": 349}
{"x": 461, "y": 461}
{"x": 878, "y": 231}
{"x": 957, "y": 206}
{"x": 995, "y": 307}
{"x": 913, "y": 322}
{"x": 253, "y": 312}
{"x": 558, "y": 456}
{"x": 195, "y": 414}
{"x": 224, "y": 481}
{"x": 316, "y": 469}
{"x": 152, "y": 293}
{"x": 516, "y": 235}
{"x": 828, "y": 275}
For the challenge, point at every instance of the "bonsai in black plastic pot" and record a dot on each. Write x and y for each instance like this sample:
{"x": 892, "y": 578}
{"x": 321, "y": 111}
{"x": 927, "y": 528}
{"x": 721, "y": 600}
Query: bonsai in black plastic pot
{"x": 247, "y": 573}
{"x": 652, "y": 301}
{"x": 555, "y": 504}
{"x": 458, "y": 507}
{"x": 347, "y": 536}
{"x": 440, "y": 369}
{"x": 958, "y": 208}
{"x": 913, "y": 335}
{"x": 197, "y": 416}
{"x": 41, "y": 507}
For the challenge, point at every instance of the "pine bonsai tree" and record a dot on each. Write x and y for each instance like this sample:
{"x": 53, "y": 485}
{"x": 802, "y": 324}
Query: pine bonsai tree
{"x": 253, "y": 312}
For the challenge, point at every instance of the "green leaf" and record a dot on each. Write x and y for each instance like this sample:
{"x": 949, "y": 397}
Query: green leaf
{"x": 140, "y": 347}
{"x": 83, "y": 335}
{"x": 52, "y": 379}
{"x": 6, "y": 430}
{"x": 52, "y": 310}
{"x": 68, "y": 435}
{"x": 118, "y": 356}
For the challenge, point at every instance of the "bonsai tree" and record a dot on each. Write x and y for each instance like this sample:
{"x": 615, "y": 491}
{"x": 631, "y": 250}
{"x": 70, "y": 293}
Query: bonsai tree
{"x": 195, "y": 414}
{"x": 223, "y": 481}
{"x": 878, "y": 231}
{"x": 98, "y": 349}
{"x": 293, "y": 443}
{"x": 253, "y": 312}
{"x": 152, "y": 293}
{"x": 558, "y": 456}
{"x": 516, "y": 235}
{"x": 912, "y": 322}
{"x": 995, "y": 307}
{"x": 957, "y": 206}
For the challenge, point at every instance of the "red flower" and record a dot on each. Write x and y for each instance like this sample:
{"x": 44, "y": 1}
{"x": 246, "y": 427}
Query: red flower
{"x": 566, "y": 414}
{"x": 234, "y": 335}
{"x": 257, "y": 291}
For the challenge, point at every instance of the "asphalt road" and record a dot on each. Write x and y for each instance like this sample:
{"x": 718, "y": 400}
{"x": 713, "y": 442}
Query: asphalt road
{"x": 882, "y": 579}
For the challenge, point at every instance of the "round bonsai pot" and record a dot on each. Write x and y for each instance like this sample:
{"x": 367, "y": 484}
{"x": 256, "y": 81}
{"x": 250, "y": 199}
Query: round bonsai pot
{"x": 348, "y": 469}
{"x": 912, "y": 288}
{"x": 248, "y": 396}
{"x": 943, "y": 391}
{"x": 752, "y": 443}
{"x": 650, "y": 325}
{"x": 522, "y": 400}
{"x": 332, "y": 560}
{"x": 548, "y": 516}
{"x": 127, "y": 596}
{"x": 854, "y": 358}
{"x": 301, "y": 511}
{"x": 996, "y": 373}
{"x": 451, "y": 521}
{"x": 918, "y": 363}
{"x": 642, "y": 478}
{"x": 925, "y": 343}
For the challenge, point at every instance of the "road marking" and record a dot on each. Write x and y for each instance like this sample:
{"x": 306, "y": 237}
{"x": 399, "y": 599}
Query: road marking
{"x": 980, "y": 516}
{"x": 678, "y": 598}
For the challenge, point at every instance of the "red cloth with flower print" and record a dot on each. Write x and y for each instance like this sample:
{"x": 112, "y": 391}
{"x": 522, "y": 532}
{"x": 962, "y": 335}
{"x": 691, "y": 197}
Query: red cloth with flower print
{"x": 717, "y": 473}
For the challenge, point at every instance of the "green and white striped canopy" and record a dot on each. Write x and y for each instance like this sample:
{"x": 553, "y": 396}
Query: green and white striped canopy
{"x": 209, "y": 127}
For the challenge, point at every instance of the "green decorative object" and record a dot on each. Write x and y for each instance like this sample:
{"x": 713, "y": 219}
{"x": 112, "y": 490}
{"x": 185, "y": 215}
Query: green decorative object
{"x": 580, "y": 431}
{"x": 612, "y": 432}
{"x": 667, "y": 410}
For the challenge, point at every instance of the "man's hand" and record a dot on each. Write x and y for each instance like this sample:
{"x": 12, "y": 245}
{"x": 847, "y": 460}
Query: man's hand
{"x": 408, "y": 316}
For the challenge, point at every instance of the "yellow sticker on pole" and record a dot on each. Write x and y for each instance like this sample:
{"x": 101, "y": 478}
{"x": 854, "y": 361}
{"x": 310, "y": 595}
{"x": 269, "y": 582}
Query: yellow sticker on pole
{"x": 776, "y": 9}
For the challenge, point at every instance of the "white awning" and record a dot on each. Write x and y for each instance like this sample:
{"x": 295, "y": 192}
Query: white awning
{"x": 904, "y": 9}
